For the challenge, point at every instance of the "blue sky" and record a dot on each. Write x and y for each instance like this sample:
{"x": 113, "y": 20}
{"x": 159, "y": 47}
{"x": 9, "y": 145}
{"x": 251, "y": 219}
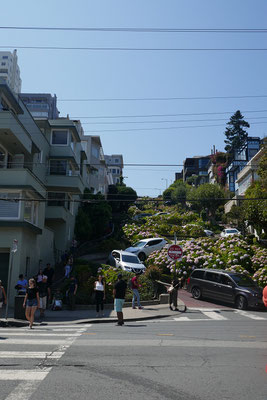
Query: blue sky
{"x": 113, "y": 74}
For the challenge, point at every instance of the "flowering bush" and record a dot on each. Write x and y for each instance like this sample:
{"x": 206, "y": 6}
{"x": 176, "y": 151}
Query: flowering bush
{"x": 225, "y": 253}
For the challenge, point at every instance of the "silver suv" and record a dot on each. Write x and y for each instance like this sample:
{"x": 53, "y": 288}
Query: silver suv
{"x": 225, "y": 286}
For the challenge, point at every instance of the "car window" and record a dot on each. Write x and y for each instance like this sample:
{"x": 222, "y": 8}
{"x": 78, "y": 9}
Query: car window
{"x": 154, "y": 242}
{"x": 212, "y": 276}
{"x": 231, "y": 231}
{"x": 225, "y": 280}
{"x": 198, "y": 274}
{"x": 243, "y": 280}
{"x": 130, "y": 259}
{"x": 139, "y": 244}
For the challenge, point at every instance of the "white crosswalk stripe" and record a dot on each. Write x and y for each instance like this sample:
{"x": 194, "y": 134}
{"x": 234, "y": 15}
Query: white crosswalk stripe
{"x": 56, "y": 339}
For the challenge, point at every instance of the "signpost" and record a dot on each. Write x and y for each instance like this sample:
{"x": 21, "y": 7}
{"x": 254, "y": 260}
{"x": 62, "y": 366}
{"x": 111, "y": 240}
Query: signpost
{"x": 13, "y": 251}
{"x": 175, "y": 252}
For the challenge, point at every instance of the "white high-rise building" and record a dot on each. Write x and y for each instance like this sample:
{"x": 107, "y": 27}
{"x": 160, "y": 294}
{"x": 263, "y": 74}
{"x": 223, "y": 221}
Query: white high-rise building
{"x": 9, "y": 70}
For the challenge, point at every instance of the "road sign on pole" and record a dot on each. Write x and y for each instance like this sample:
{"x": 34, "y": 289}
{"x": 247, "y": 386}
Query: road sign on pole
{"x": 175, "y": 252}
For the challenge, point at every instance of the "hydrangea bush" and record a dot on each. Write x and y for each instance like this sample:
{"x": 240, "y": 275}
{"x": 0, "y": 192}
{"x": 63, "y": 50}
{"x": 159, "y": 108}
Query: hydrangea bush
{"x": 231, "y": 254}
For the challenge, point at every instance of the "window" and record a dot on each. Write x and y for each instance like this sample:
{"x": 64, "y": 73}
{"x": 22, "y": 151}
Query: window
{"x": 56, "y": 199}
{"x": 60, "y": 138}
{"x": 198, "y": 274}
{"x": 3, "y": 63}
{"x": 58, "y": 167}
{"x": 2, "y": 157}
{"x": 212, "y": 276}
{"x": 5, "y": 57}
{"x": 9, "y": 209}
{"x": 31, "y": 211}
{"x": 95, "y": 151}
{"x": 225, "y": 280}
{"x": 113, "y": 171}
{"x": 3, "y": 71}
{"x": 116, "y": 160}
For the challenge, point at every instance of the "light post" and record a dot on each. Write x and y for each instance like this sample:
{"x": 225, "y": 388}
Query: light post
{"x": 13, "y": 251}
{"x": 166, "y": 180}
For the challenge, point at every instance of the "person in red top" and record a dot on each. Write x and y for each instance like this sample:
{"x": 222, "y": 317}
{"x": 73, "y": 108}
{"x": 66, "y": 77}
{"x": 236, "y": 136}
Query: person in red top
{"x": 135, "y": 286}
{"x": 264, "y": 296}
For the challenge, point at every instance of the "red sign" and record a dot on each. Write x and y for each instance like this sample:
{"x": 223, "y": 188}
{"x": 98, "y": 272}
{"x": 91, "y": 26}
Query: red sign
{"x": 175, "y": 252}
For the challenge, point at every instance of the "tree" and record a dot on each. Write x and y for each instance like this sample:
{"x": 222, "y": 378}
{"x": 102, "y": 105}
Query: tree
{"x": 235, "y": 134}
{"x": 207, "y": 197}
{"x": 121, "y": 197}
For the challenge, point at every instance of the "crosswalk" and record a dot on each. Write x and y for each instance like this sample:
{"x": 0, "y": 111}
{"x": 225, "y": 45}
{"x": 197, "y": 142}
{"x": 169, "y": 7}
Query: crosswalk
{"x": 212, "y": 315}
{"x": 40, "y": 347}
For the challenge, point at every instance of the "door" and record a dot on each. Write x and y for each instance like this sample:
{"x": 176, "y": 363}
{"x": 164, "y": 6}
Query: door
{"x": 154, "y": 245}
{"x": 226, "y": 289}
{"x": 4, "y": 266}
{"x": 211, "y": 285}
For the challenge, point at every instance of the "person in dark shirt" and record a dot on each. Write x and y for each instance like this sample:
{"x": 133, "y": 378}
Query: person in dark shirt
{"x": 49, "y": 272}
{"x": 31, "y": 301}
{"x": 72, "y": 292}
{"x": 44, "y": 294}
{"x": 119, "y": 291}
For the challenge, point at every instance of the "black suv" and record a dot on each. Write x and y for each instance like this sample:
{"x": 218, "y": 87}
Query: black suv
{"x": 229, "y": 287}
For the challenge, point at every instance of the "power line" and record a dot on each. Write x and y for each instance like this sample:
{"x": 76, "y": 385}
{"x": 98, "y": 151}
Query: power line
{"x": 168, "y": 98}
{"x": 138, "y": 30}
{"x": 160, "y": 115}
{"x": 161, "y": 122}
{"x": 150, "y": 49}
{"x": 165, "y": 128}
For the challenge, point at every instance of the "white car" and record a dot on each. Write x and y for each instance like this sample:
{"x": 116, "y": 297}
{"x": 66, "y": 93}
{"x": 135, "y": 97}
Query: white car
{"x": 146, "y": 246}
{"x": 126, "y": 261}
{"x": 230, "y": 232}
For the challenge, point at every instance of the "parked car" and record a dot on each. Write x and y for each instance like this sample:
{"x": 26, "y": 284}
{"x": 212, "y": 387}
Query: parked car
{"x": 146, "y": 246}
{"x": 126, "y": 261}
{"x": 229, "y": 287}
{"x": 230, "y": 232}
{"x": 208, "y": 232}
{"x": 161, "y": 213}
{"x": 137, "y": 217}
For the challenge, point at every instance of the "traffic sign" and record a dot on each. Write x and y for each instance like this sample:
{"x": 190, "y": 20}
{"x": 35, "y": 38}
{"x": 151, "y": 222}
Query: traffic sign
{"x": 175, "y": 252}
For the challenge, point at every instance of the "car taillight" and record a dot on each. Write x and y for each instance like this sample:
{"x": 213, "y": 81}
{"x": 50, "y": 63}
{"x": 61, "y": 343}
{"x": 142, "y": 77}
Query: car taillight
{"x": 188, "y": 280}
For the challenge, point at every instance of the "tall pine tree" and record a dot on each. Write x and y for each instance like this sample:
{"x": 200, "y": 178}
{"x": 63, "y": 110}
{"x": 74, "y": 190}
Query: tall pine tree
{"x": 235, "y": 133}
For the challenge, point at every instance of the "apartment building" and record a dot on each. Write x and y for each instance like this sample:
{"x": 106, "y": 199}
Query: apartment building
{"x": 9, "y": 70}
{"x": 198, "y": 166}
{"x": 97, "y": 173}
{"x": 41, "y": 105}
{"x": 41, "y": 166}
{"x": 241, "y": 156}
{"x": 115, "y": 166}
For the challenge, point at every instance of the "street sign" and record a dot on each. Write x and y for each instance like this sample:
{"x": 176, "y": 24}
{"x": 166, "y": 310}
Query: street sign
{"x": 175, "y": 252}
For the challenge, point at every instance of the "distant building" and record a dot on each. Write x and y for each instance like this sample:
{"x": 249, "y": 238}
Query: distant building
{"x": 115, "y": 166}
{"x": 198, "y": 166}
{"x": 178, "y": 175}
{"x": 241, "y": 156}
{"x": 41, "y": 105}
{"x": 9, "y": 70}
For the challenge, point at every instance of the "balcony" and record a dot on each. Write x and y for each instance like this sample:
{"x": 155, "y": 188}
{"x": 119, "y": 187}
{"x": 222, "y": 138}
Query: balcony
{"x": 56, "y": 213}
{"x": 67, "y": 183}
{"x": 21, "y": 178}
{"x": 64, "y": 152}
{"x": 14, "y": 136}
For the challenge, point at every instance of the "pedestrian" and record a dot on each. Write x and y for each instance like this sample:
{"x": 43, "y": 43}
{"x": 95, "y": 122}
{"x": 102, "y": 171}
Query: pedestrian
{"x": 99, "y": 288}
{"x": 21, "y": 285}
{"x": 39, "y": 276}
{"x": 44, "y": 295}
{"x": 72, "y": 292}
{"x": 264, "y": 296}
{"x": 2, "y": 297}
{"x": 64, "y": 257}
{"x": 49, "y": 272}
{"x": 31, "y": 301}
{"x": 135, "y": 286}
{"x": 67, "y": 270}
{"x": 173, "y": 294}
{"x": 119, "y": 291}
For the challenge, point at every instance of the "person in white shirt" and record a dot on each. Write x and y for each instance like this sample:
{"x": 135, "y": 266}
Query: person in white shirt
{"x": 67, "y": 270}
{"x": 99, "y": 295}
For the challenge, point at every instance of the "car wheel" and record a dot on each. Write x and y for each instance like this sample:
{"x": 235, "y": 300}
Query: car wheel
{"x": 142, "y": 256}
{"x": 241, "y": 303}
{"x": 196, "y": 292}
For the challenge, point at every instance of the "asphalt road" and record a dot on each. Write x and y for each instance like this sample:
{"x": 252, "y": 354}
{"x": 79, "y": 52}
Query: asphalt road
{"x": 212, "y": 354}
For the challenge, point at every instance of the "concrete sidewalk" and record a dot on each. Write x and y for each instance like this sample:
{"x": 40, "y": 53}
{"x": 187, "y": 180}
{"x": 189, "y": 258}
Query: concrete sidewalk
{"x": 88, "y": 316}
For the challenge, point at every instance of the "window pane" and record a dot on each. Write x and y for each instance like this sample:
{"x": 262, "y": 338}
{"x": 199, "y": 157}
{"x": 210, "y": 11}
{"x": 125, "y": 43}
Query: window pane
{"x": 9, "y": 209}
{"x": 28, "y": 211}
{"x": 58, "y": 167}
{"x": 59, "y": 137}
{"x": 56, "y": 199}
